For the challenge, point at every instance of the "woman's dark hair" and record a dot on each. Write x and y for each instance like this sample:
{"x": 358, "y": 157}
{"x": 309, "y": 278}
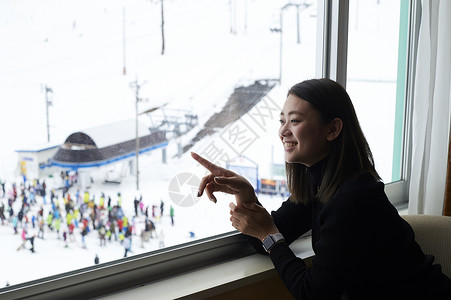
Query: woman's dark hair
{"x": 349, "y": 153}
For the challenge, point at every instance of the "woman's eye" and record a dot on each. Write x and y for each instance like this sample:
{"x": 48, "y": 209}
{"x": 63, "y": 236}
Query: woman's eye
{"x": 294, "y": 121}
{"x": 282, "y": 121}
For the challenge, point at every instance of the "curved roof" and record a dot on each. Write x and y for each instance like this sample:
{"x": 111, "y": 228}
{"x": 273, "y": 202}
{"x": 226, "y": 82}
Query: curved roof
{"x": 109, "y": 134}
{"x": 106, "y": 144}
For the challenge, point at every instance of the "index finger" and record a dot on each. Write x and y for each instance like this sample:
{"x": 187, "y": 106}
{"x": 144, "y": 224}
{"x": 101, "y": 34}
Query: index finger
{"x": 214, "y": 169}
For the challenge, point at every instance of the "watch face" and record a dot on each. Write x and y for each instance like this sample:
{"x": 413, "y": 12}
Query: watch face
{"x": 268, "y": 242}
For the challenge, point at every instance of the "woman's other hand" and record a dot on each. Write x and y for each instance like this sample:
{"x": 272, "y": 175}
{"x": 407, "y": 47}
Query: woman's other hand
{"x": 226, "y": 181}
{"x": 252, "y": 219}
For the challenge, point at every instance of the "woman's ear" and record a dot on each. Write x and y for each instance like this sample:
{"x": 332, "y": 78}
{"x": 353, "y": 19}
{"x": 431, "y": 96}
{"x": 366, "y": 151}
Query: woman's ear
{"x": 335, "y": 127}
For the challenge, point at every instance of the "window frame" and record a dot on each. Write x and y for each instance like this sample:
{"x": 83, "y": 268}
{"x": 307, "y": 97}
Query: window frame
{"x": 135, "y": 270}
{"x": 149, "y": 267}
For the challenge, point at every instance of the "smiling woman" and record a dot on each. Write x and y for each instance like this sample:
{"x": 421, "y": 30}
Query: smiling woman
{"x": 337, "y": 194}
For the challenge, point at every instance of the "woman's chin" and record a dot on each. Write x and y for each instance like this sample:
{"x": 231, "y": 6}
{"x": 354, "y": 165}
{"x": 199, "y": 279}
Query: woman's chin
{"x": 289, "y": 159}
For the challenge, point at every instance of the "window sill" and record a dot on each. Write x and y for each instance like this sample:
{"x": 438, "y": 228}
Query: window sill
{"x": 213, "y": 280}
{"x": 218, "y": 278}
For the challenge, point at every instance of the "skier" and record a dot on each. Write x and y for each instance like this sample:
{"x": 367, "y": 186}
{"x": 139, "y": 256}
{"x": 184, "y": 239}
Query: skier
{"x": 120, "y": 224}
{"x": 141, "y": 204}
{"x": 136, "y": 202}
{"x": 50, "y": 220}
{"x": 20, "y": 216}
{"x": 65, "y": 239}
{"x": 71, "y": 228}
{"x": 43, "y": 192}
{"x": 84, "y": 232}
{"x": 41, "y": 227}
{"x": 15, "y": 223}
{"x": 102, "y": 233}
{"x": 77, "y": 197}
{"x": 171, "y": 213}
{"x": 24, "y": 239}
{"x": 125, "y": 223}
{"x": 57, "y": 223}
{"x": 3, "y": 188}
{"x": 86, "y": 197}
{"x": 161, "y": 207}
{"x": 127, "y": 241}
{"x": 113, "y": 230}
{"x": 33, "y": 221}
{"x": 31, "y": 239}
{"x": 102, "y": 201}
{"x": 52, "y": 195}
{"x": 150, "y": 227}
{"x": 2, "y": 212}
{"x": 146, "y": 213}
{"x": 119, "y": 199}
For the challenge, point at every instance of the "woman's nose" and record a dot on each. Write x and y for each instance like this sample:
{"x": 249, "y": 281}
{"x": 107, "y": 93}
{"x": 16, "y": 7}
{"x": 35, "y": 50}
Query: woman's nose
{"x": 284, "y": 131}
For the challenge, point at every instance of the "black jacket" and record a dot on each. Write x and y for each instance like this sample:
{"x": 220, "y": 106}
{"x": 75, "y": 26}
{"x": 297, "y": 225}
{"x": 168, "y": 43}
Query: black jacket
{"x": 362, "y": 247}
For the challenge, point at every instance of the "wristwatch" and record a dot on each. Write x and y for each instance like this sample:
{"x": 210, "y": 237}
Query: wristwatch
{"x": 271, "y": 240}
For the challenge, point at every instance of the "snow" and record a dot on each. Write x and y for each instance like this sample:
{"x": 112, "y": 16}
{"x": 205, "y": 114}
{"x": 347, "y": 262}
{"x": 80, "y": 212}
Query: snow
{"x": 75, "y": 47}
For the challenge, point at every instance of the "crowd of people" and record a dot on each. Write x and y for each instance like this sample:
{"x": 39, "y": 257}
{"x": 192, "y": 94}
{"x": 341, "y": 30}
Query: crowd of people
{"x": 33, "y": 210}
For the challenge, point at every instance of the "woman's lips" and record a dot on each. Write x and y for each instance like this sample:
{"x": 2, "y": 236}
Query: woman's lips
{"x": 289, "y": 145}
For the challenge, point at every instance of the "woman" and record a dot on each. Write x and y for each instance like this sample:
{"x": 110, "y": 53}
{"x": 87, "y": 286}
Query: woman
{"x": 363, "y": 248}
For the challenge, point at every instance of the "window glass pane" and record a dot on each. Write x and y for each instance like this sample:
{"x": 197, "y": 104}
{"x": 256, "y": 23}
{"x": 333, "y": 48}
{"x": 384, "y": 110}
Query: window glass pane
{"x": 375, "y": 78}
{"x": 82, "y": 81}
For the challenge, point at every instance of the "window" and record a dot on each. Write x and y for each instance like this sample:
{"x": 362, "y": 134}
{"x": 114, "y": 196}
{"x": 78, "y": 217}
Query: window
{"x": 375, "y": 75}
{"x": 87, "y": 78}
{"x": 83, "y": 72}
{"x": 377, "y": 81}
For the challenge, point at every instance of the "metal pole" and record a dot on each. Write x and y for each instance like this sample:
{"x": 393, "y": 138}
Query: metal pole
{"x": 47, "y": 113}
{"x": 280, "y": 51}
{"x": 297, "y": 21}
{"x": 137, "y": 135}
{"x": 47, "y": 104}
{"x": 162, "y": 28}
{"x": 124, "y": 69}
{"x": 137, "y": 87}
